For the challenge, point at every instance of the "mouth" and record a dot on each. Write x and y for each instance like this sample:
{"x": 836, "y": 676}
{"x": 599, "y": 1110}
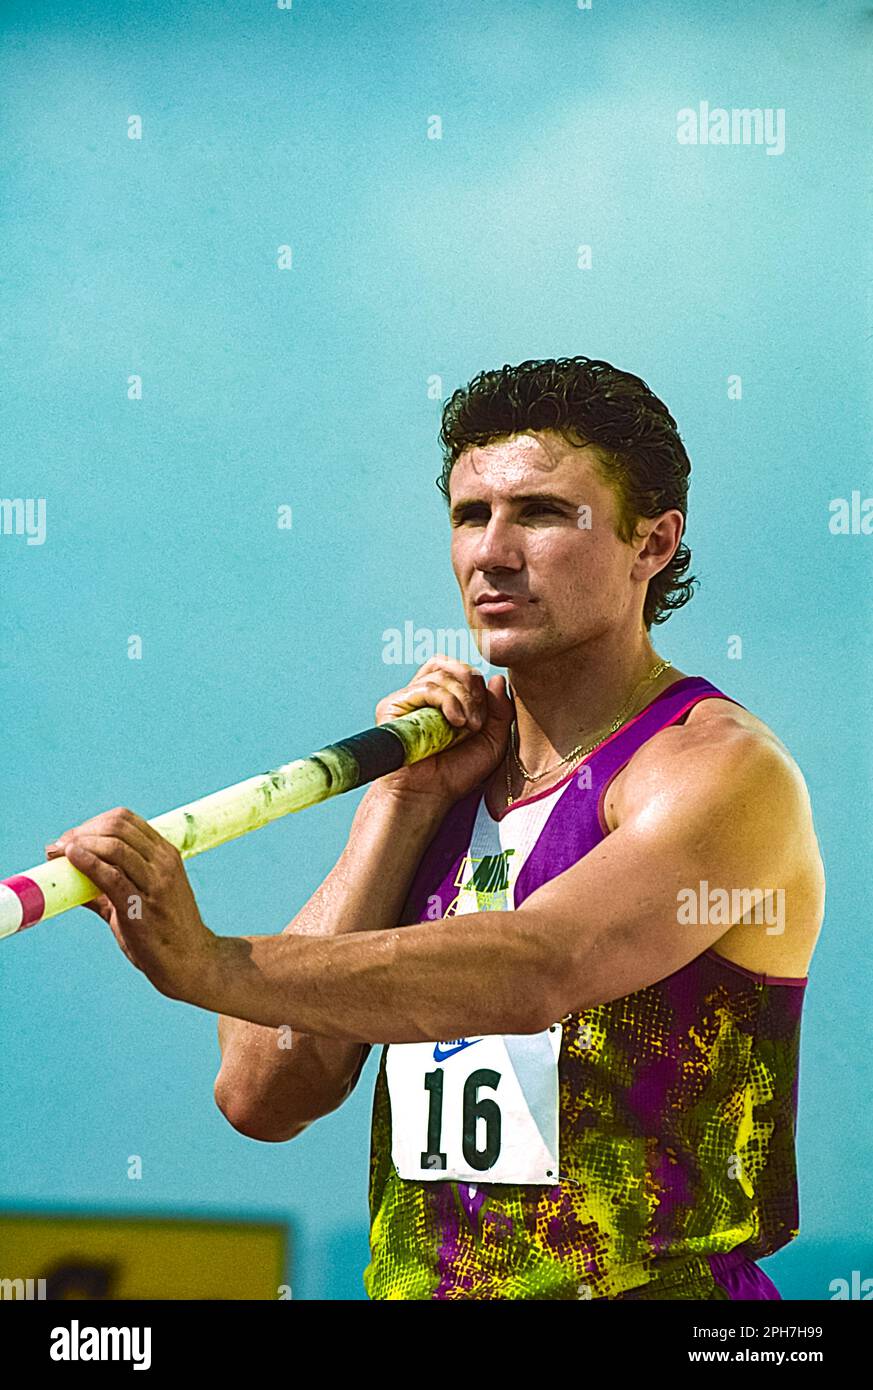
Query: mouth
{"x": 497, "y": 604}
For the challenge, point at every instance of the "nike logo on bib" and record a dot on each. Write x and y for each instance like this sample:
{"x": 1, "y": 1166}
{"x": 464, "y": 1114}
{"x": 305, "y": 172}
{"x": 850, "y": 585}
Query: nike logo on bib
{"x": 440, "y": 1056}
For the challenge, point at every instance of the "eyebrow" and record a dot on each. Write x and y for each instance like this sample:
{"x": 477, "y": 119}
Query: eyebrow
{"x": 465, "y": 503}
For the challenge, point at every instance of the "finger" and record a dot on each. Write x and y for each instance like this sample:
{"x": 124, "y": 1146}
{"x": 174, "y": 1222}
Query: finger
{"x": 468, "y": 686}
{"x": 473, "y": 682}
{"x": 469, "y": 677}
{"x": 446, "y": 693}
{"x": 114, "y": 850}
{"x": 419, "y": 695}
{"x": 104, "y": 861}
{"x": 440, "y": 662}
{"x": 125, "y": 834}
{"x": 120, "y": 822}
{"x": 469, "y": 708}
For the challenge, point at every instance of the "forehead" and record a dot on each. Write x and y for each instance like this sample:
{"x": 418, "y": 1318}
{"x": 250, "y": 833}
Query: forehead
{"x": 538, "y": 459}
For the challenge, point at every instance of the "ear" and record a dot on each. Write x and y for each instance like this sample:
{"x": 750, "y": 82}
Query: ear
{"x": 659, "y": 537}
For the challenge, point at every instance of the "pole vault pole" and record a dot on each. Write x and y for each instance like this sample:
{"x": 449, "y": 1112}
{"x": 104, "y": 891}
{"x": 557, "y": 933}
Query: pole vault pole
{"x": 56, "y": 886}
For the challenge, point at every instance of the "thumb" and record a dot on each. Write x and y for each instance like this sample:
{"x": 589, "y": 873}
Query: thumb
{"x": 101, "y": 906}
{"x": 500, "y": 704}
{"x": 501, "y": 712}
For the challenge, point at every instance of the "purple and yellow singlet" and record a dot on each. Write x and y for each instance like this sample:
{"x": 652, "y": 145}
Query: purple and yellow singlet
{"x": 642, "y": 1148}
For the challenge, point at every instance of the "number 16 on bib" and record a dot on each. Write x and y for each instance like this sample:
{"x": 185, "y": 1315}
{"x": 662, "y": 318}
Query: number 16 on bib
{"x": 479, "y": 1110}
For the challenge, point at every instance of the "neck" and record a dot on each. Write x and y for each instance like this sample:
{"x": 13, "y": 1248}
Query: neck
{"x": 572, "y": 698}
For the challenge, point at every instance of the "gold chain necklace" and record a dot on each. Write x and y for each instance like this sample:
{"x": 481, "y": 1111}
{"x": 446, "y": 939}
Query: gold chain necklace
{"x": 580, "y": 751}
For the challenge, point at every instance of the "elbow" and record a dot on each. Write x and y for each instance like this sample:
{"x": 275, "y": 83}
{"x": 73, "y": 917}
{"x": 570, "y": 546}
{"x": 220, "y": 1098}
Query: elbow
{"x": 252, "y": 1122}
{"x": 533, "y": 1015}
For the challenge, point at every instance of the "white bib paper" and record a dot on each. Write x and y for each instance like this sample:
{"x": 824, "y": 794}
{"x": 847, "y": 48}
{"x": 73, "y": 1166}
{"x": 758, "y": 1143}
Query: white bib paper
{"x": 476, "y": 1109}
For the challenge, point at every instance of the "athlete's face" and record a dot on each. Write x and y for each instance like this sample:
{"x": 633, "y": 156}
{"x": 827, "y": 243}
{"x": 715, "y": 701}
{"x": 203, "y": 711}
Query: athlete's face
{"x": 532, "y": 519}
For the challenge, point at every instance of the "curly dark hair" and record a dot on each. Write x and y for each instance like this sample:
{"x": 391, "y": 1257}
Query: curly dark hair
{"x": 588, "y": 402}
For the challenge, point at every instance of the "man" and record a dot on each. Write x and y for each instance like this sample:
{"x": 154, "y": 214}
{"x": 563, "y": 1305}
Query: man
{"x": 583, "y": 932}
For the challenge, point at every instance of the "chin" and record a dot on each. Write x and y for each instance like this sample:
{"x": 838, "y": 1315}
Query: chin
{"x": 505, "y": 647}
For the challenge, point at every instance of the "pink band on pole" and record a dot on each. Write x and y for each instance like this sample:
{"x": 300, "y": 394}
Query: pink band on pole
{"x": 31, "y": 897}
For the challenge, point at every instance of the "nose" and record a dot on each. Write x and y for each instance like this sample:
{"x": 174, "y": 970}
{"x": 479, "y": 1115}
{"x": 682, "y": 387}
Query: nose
{"x": 497, "y": 547}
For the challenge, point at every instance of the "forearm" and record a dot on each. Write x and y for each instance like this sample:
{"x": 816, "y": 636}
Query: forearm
{"x": 481, "y": 973}
{"x": 282, "y": 1070}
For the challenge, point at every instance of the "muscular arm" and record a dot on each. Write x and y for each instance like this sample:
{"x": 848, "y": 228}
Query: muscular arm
{"x": 271, "y": 1092}
{"x": 724, "y": 806}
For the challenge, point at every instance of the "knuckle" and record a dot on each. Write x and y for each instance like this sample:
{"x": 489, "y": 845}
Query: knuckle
{"x": 169, "y": 863}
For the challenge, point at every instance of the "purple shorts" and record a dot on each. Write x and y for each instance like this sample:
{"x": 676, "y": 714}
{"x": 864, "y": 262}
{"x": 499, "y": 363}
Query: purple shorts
{"x": 730, "y": 1276}
{"x": 740, "y": 1278}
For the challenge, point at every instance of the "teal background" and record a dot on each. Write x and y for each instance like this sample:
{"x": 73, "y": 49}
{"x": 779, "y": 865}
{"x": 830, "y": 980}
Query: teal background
{"x": 416, "y": 263}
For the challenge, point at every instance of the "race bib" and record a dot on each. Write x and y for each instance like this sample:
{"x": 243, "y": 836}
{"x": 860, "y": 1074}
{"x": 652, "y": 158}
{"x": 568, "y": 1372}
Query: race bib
{"x": 481, "y": 1110}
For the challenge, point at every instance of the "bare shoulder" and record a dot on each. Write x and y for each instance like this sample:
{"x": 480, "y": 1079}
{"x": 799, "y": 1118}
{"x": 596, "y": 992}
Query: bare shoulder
{"x": 717, "y": 738}
{"x": 723, "y": 716}
{"x": 713, "y": 729}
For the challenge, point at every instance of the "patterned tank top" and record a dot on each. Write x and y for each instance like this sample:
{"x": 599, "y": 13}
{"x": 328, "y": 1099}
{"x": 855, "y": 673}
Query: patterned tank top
{"x": 613, "y": 1154}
